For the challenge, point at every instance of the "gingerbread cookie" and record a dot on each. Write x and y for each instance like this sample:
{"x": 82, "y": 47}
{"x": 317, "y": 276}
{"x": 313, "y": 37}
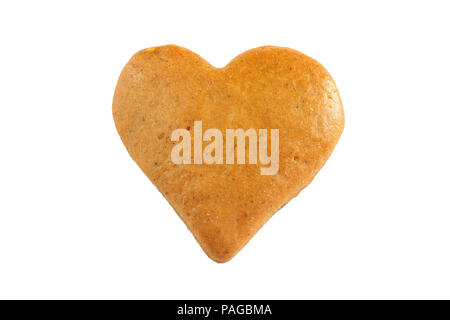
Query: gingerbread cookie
{"x": 227, "y": 147}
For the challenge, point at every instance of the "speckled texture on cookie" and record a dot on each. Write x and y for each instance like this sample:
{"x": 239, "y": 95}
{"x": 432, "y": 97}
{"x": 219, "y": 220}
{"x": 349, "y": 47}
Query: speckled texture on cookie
{"x": 169, "y": 87}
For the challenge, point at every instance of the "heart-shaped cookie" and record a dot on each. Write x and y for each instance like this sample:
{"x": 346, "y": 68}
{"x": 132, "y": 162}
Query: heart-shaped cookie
{"x": 227, "y": 147}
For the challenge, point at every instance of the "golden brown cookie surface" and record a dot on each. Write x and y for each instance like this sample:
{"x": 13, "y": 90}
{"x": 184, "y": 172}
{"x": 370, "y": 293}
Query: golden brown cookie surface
{"x": 165, "y": 88}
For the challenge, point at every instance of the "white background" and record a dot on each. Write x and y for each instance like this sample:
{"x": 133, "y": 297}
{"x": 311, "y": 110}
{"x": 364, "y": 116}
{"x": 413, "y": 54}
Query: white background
{"x": 78, "y": 219}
